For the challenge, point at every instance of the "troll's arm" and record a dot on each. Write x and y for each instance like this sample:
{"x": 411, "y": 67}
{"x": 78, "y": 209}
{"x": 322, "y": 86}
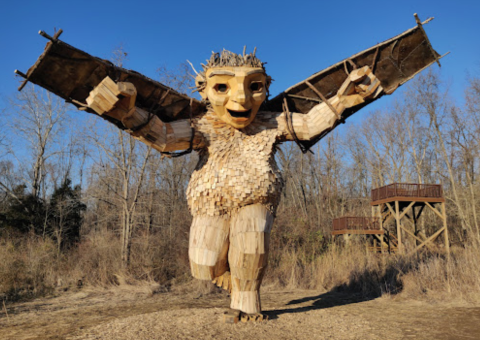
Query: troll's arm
{"x": 359, "y": 86}
{"x": 117, "y": 100}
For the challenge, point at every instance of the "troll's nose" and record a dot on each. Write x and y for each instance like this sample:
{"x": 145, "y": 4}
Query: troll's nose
{"x": 239, "y": 96}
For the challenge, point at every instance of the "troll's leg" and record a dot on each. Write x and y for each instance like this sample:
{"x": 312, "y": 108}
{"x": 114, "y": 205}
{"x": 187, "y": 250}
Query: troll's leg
{"x": 208, "y": 246}
{"x": 248, "y": 255}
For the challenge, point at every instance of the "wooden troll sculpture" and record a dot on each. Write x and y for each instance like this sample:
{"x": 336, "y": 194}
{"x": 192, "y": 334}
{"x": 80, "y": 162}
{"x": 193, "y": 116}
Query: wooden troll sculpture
{"x": 235, "y": 189}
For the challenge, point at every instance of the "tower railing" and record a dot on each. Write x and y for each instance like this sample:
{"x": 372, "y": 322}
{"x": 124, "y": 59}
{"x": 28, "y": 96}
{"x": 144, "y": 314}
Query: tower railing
{"x": 407, "y": 190}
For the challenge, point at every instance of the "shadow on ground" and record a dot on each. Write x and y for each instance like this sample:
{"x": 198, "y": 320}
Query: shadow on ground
{"x": 322, "y": 301}
{"x": 362, "y": 286}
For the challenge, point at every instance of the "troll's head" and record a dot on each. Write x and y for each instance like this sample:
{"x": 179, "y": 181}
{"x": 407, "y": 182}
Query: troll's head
{"x": 234, "y": 85}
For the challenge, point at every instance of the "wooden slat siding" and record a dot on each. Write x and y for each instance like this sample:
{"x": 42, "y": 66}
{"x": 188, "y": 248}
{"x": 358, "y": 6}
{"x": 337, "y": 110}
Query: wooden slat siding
{"x": 356, "y": 223}
{"x": 407, "y": 190}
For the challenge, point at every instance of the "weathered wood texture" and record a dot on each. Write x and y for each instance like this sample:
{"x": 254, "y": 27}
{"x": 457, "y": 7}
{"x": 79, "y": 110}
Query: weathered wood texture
{"x": 118, "y": 101}
{"x": 71, "y": 74}
{"x": 359, "y": 86}
{"x": 394, "y": 62}
{"x": 237, "y": 167}
{"x": 239, "y": 244}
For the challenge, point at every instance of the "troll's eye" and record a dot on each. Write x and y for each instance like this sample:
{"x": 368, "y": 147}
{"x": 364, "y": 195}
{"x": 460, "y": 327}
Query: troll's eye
{"x": 222, "y": 88}
{"x": 256, "y": 87}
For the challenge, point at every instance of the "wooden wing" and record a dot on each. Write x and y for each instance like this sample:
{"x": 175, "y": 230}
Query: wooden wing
{"x": 71, "y": 74}
{"x": 393, "y": 62}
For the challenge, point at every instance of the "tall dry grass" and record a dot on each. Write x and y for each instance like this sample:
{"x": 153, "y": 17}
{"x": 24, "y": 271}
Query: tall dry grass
{"x": 338, "y": 267}
{"x": 32, "y": 267}
{"x": 154, "y": 258}
{"x": 29, "y": 267}
{"x": 426, "y": 276}
{"x": 441, "y": 278}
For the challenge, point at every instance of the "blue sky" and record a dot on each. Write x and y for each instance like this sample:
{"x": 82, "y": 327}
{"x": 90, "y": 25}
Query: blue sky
{"x": 296, "y": 38}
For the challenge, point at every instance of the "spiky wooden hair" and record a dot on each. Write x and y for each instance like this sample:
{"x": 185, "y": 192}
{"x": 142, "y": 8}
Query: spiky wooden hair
{"x": 229, "y": 59}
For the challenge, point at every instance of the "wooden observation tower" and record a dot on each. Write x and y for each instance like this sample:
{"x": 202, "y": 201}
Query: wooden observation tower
{"x": 404, "y": 204}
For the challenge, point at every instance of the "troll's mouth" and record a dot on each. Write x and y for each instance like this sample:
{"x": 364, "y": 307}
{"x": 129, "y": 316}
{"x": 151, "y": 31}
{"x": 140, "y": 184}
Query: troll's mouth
{"x": 240, "y": 114}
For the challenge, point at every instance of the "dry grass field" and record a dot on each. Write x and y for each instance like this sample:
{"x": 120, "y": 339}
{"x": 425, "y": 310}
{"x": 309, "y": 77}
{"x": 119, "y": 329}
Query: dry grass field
{"x": 344, "y": 293}
{"x": 186, "y": 313}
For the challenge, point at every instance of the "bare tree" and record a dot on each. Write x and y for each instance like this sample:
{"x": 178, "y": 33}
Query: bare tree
{"x": 434, "y": 104}
{"x": 37, "y": 118}
{"x": 120, "y": 171}
{"x": 36, "y": 121}
{"x": 179, "y": 78}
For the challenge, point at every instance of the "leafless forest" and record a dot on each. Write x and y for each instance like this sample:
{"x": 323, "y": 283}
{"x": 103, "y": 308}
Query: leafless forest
{"x": 83, "y": 204}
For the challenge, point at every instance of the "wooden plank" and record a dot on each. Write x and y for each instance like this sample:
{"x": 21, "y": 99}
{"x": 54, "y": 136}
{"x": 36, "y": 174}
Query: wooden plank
{"x": 391, "y": 209}
{"x": 407, "y": 209}
{"x": 434, "y": 210}
{"x": 414, "y": 236}
{"x": 399, "y": 231}
{"x": 408, "y": 199}
{"x": 420, "y": 25}
{"x": 446, "y": 240}
{"x": 360, "y": 74}
{"x": 388, "y": 218}
{"x": 430, "y": 239}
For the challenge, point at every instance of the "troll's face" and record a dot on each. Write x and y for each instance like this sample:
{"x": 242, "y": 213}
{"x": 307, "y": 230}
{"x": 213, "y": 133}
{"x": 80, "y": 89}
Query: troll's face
{"x": 235, "y": 93}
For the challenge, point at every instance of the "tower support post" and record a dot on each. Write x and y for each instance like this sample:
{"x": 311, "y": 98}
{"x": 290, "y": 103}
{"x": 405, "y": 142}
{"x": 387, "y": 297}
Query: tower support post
{"x": 445, "y": 231}
{"x": 399, "y": 229}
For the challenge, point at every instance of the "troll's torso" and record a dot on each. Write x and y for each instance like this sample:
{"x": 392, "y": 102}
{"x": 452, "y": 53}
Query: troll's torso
{"x": 236, "y": 167}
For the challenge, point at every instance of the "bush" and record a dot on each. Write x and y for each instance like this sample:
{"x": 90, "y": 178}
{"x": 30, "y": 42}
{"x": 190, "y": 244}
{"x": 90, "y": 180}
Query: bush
{"x": 29, "y": 267}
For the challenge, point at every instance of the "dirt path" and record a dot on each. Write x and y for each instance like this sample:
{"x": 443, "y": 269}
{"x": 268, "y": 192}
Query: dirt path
{"x": 121, "y": 314}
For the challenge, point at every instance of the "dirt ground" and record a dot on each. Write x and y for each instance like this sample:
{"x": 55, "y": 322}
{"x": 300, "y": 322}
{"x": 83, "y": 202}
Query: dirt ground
{"x": 128, "y": 314}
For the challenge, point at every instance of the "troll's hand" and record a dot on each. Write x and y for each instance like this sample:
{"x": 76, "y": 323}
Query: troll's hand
{"x": 360, "y": 85}
{"x": 112, "y": 98}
